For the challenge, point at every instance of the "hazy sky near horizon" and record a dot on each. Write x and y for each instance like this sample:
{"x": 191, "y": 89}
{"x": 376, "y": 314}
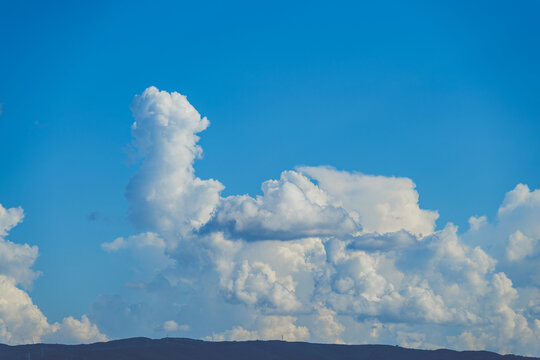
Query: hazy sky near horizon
{"x": 366, "y": 172}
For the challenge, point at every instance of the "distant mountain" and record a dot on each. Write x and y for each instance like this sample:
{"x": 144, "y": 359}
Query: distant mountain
{"x": 180, "y": 348}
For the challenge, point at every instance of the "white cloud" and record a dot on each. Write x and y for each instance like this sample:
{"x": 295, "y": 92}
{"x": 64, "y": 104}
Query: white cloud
{"x": 520, "y": 196}
{"x": 9, "y": 218}
{"x": 114, "y": 245}
{"x": 268, "y": 328}
{"x": 282, "y": 327}
{"x": 289, "y": 208}
{"x": 73, "y": 331}
{"x": 380, "y": 204}
{"x": 165, "y": 194}
{"x": 21, "y": 321}
{"x": 521, "y": 210}
{"x": 140, "y": 241}
{"x": 476, "y": 222}
{"x": 262, "y": 274}
{"x": 237, "y": 333}
{"x": 16, "y": 261}
{"x": 327, "y": 326}
{"x": 513, "y": 238}
{"x": 321, "y": 254}
{"x": 258, "y": 284}
{"x": 519, "y": 246}
{"x": 173, "y": 326}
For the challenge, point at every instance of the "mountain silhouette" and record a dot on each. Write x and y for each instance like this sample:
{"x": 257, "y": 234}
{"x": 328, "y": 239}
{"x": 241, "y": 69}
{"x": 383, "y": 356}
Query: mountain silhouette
{"x": 181, "y": 348}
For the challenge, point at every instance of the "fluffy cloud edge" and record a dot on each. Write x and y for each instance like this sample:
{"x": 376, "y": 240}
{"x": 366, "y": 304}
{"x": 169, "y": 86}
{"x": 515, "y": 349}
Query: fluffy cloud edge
{"x": 21, "y": 321}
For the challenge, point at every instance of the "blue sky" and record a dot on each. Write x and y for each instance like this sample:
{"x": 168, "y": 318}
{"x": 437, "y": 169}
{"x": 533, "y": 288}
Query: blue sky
{"x": 445, "y": 94}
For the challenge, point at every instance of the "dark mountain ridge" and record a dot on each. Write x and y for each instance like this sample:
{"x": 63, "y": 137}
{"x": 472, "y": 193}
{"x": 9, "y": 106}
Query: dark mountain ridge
{"x": 182, "y": 348}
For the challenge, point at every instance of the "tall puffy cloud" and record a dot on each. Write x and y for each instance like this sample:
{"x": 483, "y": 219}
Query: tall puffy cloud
{"x": 21, "y": 321}
{"x": 165, "y": 194}
{"x": 322, "y": 255}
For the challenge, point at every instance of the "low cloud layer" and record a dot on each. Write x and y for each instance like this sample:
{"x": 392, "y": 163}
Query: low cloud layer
{"x": 324, "y": 255}
{"x": 319, "y": 255}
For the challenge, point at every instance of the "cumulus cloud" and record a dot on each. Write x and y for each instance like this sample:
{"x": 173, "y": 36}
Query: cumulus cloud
{"x": 21, "y": 321}
{"x": 380, "y": 204}
{"x": 165, "y": 194}
{"x": 259, "y": 284}
{"x": 520, "y": 210}
{"x": 321, "y": 254}
{"x": 173, "y": 326}
{"x": 267, "y": 328}
{"x": 9, "y": 218}
{"x": 476, "y": 222}
{"x": 16, "y": 261}
{"x": 519, "y": 246}
{"x": 73, "y": 331}
{"x": 290, "y": 208}
{"x": 326, "y": 325}
{"x": 513, "y": 237}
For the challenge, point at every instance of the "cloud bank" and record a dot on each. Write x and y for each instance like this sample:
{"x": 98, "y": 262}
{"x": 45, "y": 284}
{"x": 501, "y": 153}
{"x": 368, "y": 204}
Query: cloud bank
{"x": 321, "y": 254}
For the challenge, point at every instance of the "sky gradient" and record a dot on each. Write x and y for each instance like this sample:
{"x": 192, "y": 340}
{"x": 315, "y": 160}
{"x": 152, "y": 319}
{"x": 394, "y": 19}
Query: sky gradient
{"x": 439, "y": 102}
